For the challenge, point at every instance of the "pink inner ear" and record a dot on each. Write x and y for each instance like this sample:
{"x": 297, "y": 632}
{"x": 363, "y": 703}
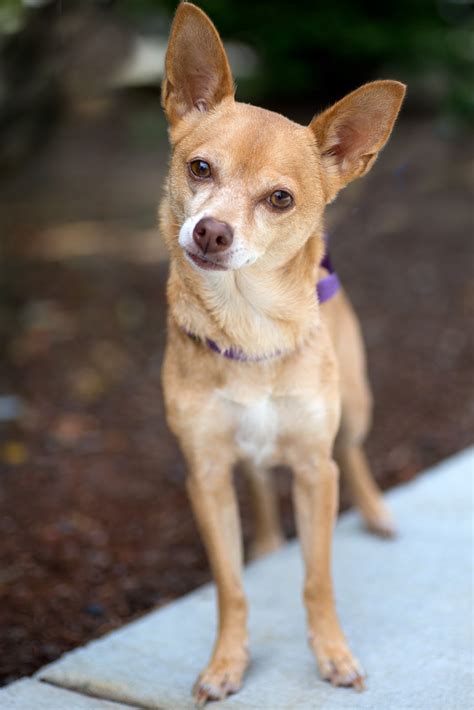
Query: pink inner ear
{"x": 358, "y": 135}
{"x": 200, "y": 86}
{"x": 350, "y": 139}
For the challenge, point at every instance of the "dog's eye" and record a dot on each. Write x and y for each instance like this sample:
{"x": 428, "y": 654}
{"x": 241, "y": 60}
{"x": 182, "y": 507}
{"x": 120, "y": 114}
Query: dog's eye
{"x": 200, "y": 168}
{"x": 280, "y": 199}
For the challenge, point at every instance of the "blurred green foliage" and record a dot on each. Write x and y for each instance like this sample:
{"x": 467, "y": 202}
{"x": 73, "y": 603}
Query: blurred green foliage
{"x": 324, "y": 48}
{"x": 328, "y": 47}
{"x": 11, "y": 16}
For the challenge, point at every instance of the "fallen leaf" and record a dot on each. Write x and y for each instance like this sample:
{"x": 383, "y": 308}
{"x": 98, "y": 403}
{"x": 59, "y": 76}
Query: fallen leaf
{"x": 87, "y": 384}
{"x": 14, "y": 453}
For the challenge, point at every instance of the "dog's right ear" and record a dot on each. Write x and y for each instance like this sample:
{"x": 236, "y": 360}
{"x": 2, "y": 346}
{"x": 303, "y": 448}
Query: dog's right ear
{"x": 197, "y": 72}
{"x": 351, "y": 133}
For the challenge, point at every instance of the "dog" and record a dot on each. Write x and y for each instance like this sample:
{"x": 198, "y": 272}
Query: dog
{"x": 257, "y": 368}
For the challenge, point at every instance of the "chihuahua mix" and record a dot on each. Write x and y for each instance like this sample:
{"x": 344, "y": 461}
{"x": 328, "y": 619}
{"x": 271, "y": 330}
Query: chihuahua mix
{"x": 260, "y": 365}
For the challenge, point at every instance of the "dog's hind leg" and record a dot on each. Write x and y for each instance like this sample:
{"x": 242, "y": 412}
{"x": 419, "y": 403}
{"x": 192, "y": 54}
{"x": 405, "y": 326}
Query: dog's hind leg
{"x": 364, "y": 490}
{"x": 268, "y": 535}
{"x": 356, "y": 415}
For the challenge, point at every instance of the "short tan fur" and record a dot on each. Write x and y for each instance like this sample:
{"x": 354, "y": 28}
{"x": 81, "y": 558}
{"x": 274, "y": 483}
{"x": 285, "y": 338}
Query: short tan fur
{"x": 243, "y": 220}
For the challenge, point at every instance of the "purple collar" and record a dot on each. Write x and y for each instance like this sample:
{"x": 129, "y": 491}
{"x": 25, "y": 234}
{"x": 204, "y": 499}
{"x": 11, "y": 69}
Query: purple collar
{"x": 230, "y": 353}
{"x": 330, "y": 284}
{"x": 325, "y": 289}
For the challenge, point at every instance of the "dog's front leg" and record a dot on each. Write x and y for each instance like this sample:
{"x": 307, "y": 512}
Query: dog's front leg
{"x": 316, "y": 498}
{"x": 215, "y": 507}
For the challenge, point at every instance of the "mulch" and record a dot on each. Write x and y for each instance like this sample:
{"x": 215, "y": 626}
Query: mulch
{"x": 95, "y": 526}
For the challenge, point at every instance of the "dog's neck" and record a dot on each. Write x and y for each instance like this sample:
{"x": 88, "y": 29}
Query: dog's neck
{"x": 257, "y": 312}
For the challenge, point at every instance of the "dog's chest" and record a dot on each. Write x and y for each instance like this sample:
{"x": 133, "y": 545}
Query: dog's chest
{"x": 256, "y": 429}
{"x": 258, "y": 423}
{"x": 260, "y": 420}
{"x": 254, "y": 419}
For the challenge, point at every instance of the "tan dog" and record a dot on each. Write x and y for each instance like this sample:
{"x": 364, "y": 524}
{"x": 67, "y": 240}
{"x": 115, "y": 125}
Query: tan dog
{"x": 243, "y": 221}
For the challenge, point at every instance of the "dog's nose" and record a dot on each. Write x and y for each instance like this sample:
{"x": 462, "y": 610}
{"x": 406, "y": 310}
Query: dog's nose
{"x": 212, "y": 236}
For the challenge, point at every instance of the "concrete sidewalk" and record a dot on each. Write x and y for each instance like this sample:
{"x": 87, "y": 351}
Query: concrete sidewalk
{"x": 405, "y": 605}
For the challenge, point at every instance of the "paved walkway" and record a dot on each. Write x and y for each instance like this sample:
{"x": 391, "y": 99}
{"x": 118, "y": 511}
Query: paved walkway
{"x": 406, "y": 607}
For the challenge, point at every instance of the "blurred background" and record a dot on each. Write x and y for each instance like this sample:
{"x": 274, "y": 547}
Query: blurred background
{"x": 95, "y": 526}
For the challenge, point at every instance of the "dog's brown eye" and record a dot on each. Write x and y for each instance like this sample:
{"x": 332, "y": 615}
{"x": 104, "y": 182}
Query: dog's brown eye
{"x": 280, "y": 199}
{"x": 200, "y": 168}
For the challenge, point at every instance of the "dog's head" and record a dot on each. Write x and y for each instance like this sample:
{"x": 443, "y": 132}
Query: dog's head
{"x": 247, "y": 184}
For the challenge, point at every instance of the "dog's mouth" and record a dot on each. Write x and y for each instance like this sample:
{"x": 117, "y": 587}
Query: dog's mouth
{"x": 204, "y": 262}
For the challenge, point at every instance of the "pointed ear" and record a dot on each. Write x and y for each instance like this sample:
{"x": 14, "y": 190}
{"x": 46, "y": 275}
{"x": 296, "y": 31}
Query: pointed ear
{"x": 197, "y": 72}
{"x": 351, "y": 133}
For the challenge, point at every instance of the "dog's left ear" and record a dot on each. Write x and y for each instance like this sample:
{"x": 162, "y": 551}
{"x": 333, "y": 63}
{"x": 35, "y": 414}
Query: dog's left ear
{"x": 197, "y": 72}
{"x": 351, "y": 133}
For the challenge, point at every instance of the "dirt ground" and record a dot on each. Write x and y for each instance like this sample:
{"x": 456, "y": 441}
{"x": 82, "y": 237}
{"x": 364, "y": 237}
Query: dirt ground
{"x": 95, "y": 526}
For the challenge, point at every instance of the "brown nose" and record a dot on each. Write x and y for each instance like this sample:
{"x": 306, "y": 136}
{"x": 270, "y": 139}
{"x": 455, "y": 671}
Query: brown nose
{"x": 212, "y": 236}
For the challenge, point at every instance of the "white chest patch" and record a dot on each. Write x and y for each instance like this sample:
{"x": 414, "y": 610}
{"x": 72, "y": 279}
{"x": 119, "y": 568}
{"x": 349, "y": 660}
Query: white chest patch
{"x": 256, "y": 429}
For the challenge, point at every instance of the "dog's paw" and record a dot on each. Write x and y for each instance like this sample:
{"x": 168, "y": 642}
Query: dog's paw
{"x": 339, "y": 667}
{"x": 383, "y": 526}
{"x": 221, "y": 678}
